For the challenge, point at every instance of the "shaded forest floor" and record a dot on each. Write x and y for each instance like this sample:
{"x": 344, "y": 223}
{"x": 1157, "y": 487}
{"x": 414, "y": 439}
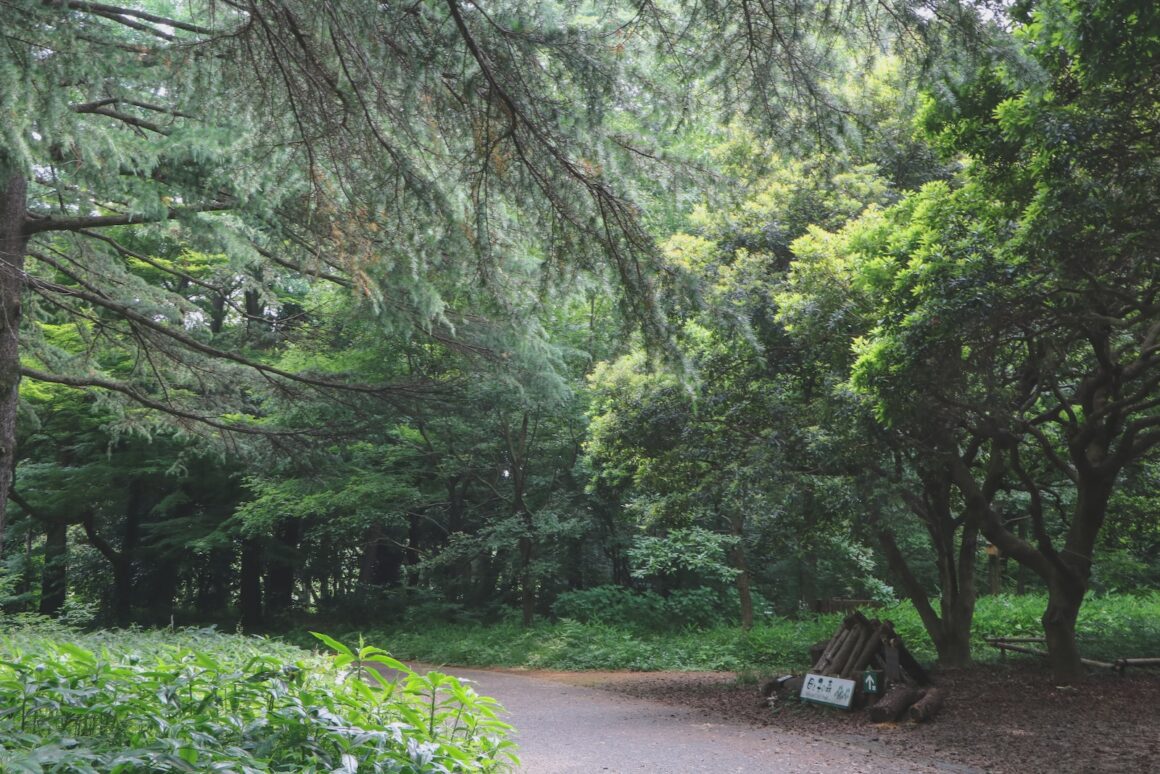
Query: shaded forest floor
{"x": 998, "y": 717}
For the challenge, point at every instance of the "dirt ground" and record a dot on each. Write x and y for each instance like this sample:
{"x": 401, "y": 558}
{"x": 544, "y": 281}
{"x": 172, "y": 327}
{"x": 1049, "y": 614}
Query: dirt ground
{"x": 998, "y": 717}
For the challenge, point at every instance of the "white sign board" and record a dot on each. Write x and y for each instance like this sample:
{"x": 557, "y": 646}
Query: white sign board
{"x": 828, "y": 690}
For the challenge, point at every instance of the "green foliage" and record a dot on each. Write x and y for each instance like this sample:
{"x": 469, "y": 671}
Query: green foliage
{"x": 196, "y": 700}
{"x": 692, "y": 550}
{"x": 1109, "y": 627}
{"x": 572, "y": 645}
{"x": 647, "y": 611}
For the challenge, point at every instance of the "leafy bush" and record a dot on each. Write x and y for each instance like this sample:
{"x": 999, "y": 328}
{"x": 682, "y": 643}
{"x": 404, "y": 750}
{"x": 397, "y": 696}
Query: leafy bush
{"x": 1109, "y": 627}
{"x": 699, "y": 608}
{"x": 197, "y": 700}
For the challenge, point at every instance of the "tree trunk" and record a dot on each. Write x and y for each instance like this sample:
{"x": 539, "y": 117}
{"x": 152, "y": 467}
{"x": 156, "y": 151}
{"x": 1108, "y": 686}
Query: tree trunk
{"x": 54, "y": 578}
{"x": 280, "y": 568}
{"x": 13, "y": 243}
{"x": 954, "y": 645}
{"x": 250, "y": 584}
{"x": 381, "y": 562}
{"x": 214, "y": 582}
{"x": 1064, "y": 598}
{"x": 121, "y": 561}
{"x": 737, "y": 556}
{"x": 951, "y": 631}
{"x": 527, "y": 582}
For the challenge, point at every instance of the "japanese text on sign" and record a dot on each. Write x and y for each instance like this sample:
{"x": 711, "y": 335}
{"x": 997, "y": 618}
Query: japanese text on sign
{"x": 828, "y": 690}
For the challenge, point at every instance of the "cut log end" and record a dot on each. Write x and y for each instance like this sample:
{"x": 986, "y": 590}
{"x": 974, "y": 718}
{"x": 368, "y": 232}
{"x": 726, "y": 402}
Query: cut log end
{"x": 893, "y": 704}
{"x": 927, "y": 706}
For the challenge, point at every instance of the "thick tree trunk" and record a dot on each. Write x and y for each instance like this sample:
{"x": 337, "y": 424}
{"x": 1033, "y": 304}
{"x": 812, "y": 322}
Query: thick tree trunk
{"x": 54, "y": 577}
{"x": 1071, "y": 567}
{"x": 954, "y": 644}
{"x": 13, "y": 243}
{"x": 1064, "y": 598}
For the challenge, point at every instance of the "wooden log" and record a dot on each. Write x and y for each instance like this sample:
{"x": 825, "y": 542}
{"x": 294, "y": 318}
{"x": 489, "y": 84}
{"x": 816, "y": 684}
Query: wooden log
{"x": 781, "y": 689}
{"x": 843, "y": 654}
{"x": 869, "y": 648}
{"x": 1123, "y": 663}
{"x": 1018, "y": 648}
{"x": 927, "y": 705}
{"x": 827, "y": 657}
{"x": 1002, "y": 646}
{"x": 893, "y": 668}
{"x": 911, "y": 665}
{"x": 993, "y": 640}
{"x": 864, "y": 636}
{"x": 817, "y": 650}
{"x": 894, "y": 703}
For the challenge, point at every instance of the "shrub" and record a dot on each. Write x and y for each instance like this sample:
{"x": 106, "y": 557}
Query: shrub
{"x": 699, "y": 608}
{"x": 199, "y": 700}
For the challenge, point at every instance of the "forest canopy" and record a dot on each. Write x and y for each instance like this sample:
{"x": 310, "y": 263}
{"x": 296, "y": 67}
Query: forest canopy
{"x": 450, "y": 309}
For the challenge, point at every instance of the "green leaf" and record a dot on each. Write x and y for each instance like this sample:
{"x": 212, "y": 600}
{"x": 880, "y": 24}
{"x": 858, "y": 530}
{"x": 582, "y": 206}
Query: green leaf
{"x": 334, "y": 645}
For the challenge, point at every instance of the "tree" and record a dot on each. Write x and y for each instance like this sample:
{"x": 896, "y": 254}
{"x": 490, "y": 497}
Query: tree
{"x": 1079, "y": 133}
{"x": 1012, "y": 336}
{"x": 404, "y": 152}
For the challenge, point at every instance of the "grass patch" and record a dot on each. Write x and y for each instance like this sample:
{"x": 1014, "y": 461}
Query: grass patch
{"x": 198, "y": 700}
{"x": 1109, "y": 627}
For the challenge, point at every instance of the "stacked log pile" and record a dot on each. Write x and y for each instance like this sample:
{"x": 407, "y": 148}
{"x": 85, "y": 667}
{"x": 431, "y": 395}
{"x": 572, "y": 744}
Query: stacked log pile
{"x": 860, "y": 643}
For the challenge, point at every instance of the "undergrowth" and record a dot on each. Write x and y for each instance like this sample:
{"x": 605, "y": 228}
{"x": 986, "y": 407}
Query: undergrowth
{"x": 1109, "y": 627}
{"x": 196, "y": 700}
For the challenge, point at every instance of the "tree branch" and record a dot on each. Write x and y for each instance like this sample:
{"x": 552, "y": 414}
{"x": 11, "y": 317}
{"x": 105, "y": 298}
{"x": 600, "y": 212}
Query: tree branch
{"x": 34, "y": 224}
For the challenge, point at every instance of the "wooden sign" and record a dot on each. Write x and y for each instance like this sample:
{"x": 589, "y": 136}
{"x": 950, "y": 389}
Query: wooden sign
{"x": 832, "y": 691}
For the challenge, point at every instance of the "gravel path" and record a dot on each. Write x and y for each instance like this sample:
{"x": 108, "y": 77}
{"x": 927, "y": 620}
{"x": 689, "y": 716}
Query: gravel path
{"x": 568, "y": 729}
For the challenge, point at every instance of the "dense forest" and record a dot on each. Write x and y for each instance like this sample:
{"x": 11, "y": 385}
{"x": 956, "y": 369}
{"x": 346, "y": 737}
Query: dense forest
{"x": 428, "y": 311}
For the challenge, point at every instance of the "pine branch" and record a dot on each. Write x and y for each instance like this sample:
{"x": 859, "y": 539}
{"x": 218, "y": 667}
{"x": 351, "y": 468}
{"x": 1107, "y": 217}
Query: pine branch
{"x": 125, "y": 118}
{"x": 39, "y": 224}
{"x": 167, "y": 408}
{"x": 123, "y": 15}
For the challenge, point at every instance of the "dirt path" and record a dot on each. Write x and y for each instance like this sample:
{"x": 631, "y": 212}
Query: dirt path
{"x": 565, "y": 727}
